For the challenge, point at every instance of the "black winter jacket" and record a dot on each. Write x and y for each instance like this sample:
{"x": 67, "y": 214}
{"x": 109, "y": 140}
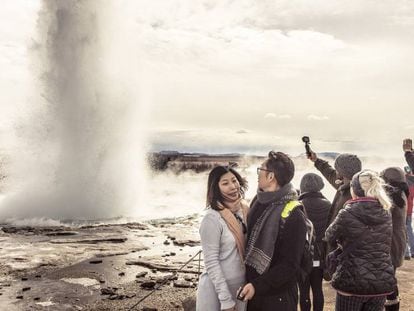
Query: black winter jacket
{"x": 409, "y": 157}
{"x": 398, "y": 192}
{"x": 276, "y": 288}
{"x": 364, "y": 268}
{"x": 317, "y": 209}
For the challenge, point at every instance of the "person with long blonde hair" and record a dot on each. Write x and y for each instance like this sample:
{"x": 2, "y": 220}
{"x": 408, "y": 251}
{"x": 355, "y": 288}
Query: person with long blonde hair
{"x": 363, "y": 228}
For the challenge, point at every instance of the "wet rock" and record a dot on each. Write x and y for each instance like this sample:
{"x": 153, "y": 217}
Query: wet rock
{"x": 159, "y": 266}
{"x": 95, "y": 261}
{"x": 19, "y": 297}
{"x": 183, "y": 284}
{"x": 141, "y": 274}
{"x": 166, "y": 278}
{"x": 107, "y": 291}
{"x": 111, "y": 254}
{"x": 62, "y": 233}
{"x": 121, "y": 273}
{"x": 189, "y": 304}
{"x": 91, "y": 241}
{"x": 36, "y": 298}
{"x": 175, "y": 305}
{"x": 25, "y": 289}
{"x": 24, "y": 278}
{"x": 186, "y": 243}
{"x": 136, "y": 226}
{"x": 148, "y": 284}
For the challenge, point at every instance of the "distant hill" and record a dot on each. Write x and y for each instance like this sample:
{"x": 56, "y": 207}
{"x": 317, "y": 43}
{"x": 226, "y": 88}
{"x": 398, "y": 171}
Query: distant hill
{"x": 200, "y": 162}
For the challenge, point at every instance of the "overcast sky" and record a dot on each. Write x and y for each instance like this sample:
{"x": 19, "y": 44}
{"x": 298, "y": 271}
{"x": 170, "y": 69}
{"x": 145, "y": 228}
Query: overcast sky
{"x": 247, "y": 75}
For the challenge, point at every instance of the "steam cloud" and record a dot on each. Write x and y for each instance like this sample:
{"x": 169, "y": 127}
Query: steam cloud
{"x": 81, "y": 142}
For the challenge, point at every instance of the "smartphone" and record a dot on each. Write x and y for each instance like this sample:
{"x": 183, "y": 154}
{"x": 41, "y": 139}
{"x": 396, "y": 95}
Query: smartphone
{"x": 239, "y": 295}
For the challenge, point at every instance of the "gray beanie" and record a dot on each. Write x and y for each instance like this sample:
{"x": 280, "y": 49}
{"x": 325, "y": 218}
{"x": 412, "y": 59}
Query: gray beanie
{"x": 311, "y": 183}
{"x": 347, "y": 165}
{"x": 393, "y": 174}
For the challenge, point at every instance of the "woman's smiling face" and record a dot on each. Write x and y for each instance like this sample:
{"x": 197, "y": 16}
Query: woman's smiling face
{"x": 229, "y": 185}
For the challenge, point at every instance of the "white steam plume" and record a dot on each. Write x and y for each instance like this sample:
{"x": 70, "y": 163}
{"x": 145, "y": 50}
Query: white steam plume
{"x": 81, "y": 145}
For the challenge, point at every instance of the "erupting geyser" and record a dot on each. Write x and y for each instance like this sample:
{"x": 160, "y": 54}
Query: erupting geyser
{"x": 81, "y": 140}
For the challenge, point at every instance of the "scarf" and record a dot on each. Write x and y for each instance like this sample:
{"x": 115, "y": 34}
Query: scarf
{"x": 262, "y": 239}
{"x": 227, "y": 212}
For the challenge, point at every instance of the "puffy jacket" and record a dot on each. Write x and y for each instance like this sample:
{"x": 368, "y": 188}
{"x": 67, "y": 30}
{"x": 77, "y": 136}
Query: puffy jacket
{"x": 365, "y": 267}
{"x": 317, "y": 209}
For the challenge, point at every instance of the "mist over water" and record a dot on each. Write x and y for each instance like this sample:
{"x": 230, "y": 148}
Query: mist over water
{"x": 81, "y": 140}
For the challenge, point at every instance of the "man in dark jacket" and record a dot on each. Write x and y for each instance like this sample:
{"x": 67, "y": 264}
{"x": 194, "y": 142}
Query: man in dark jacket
{"x": 409, "y": 251}
{"x": 276, "y": 237}
{"x": 317, "y": 209}
{"x": 409, "y": 152}
{"x": 397, "y": 190}
{"x": 346, "y": 165}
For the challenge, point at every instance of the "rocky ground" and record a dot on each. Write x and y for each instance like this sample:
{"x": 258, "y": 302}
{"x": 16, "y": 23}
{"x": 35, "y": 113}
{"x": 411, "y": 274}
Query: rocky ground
{"x": 114, "y": 267}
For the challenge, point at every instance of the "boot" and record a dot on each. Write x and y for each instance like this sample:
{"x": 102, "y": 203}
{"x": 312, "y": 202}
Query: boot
{"x": 392, "y": 307}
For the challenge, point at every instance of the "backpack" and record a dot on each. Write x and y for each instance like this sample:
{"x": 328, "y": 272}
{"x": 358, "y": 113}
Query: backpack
{"x": 310, "y": 247}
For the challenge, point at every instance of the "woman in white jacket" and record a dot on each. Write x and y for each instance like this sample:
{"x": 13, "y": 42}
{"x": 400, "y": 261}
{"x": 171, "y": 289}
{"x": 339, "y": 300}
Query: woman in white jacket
{"x": 222, "y": 231}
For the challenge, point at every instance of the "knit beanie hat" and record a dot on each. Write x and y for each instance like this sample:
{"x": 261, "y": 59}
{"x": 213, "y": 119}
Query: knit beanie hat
{"x": 311, "y": 182}
{"x": 347, "y": 165}
{"x": 393, "y": 174}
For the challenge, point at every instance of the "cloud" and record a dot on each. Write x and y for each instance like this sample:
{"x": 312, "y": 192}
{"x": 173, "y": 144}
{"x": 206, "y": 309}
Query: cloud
{"x": 317, "y": 118}
{"x": 272, "y": 115}
{"x": 242, "y": 132}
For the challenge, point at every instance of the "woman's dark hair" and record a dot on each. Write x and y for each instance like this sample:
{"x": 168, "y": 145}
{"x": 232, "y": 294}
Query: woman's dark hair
{"x": 213, "y": 191}
{"x": 282, "y": 166}
{"x": 395, "y": 191}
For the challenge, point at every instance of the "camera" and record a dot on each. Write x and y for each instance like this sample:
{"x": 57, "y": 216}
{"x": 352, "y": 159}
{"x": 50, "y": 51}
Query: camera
{"x": 306, "y": 140}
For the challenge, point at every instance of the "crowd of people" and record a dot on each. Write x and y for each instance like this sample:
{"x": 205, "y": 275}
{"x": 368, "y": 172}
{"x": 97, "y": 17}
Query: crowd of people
{"x": 253, "y": 255}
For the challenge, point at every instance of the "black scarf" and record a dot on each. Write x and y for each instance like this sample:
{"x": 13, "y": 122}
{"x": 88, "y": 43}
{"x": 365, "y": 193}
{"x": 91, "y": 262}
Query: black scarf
{"x": 261, "y": 244}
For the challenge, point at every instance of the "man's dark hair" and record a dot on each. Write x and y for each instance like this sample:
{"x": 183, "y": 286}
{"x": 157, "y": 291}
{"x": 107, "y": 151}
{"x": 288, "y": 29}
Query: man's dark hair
{"x": 282, "y": 166}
